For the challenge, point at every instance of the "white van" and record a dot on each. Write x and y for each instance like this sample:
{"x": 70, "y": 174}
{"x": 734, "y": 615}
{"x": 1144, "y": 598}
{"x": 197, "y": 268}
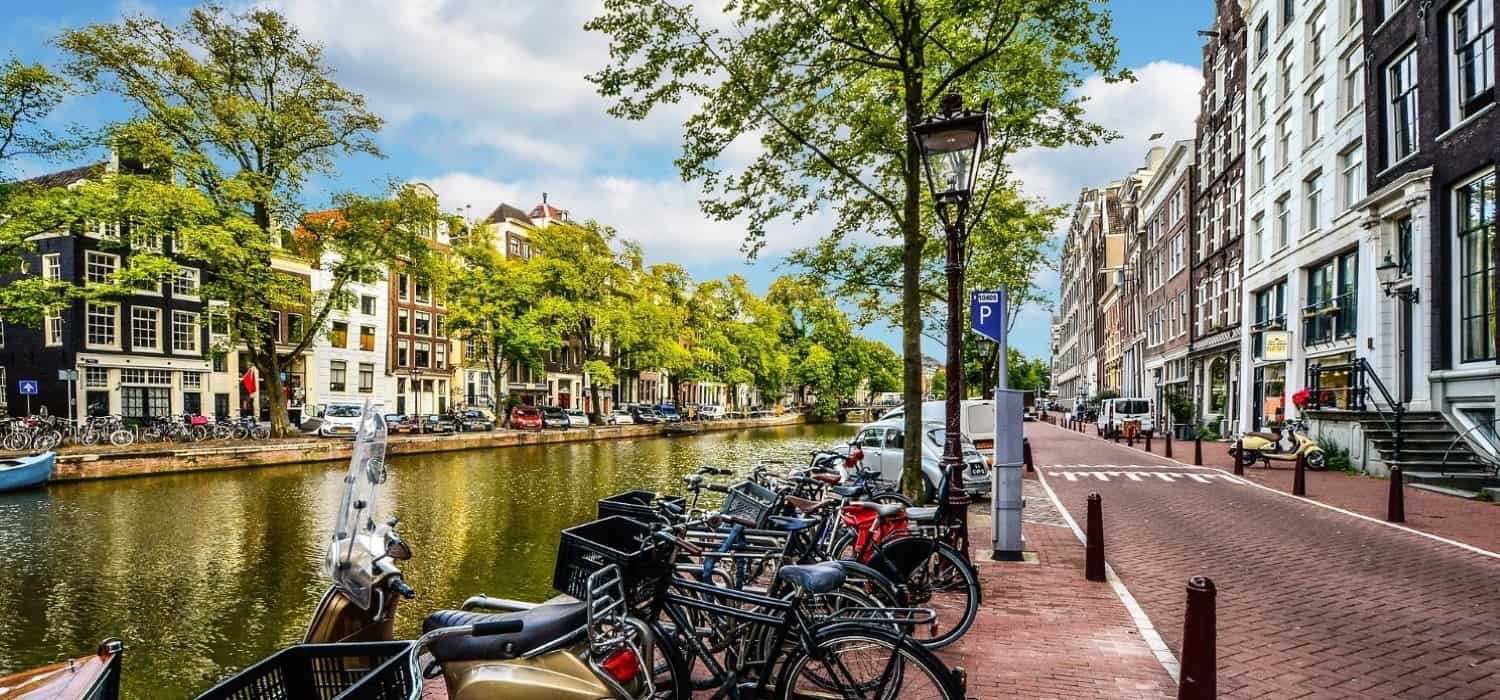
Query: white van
{"x": 1115, "y": 413}
{"x": 976, "y": 420}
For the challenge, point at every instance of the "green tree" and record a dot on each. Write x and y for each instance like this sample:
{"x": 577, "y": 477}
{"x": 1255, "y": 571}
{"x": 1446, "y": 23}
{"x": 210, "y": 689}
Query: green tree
{"x": 584, "y": 291}
{"x": 830, "y": 89}
{"x": 29, "y": 93}
{"x": 940, "y": 384}
{"x": 244, "y": 112}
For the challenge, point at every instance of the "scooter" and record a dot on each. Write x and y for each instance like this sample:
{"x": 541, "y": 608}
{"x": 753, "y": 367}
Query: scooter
{"x": 1286, "y": 446}
{"x": 562, "y": 649}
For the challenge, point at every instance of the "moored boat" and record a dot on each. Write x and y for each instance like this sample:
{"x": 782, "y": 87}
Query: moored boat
{"x": 94, "y": 677}
{"x": 683, "y": 428}
{"x": 26, "y": 472}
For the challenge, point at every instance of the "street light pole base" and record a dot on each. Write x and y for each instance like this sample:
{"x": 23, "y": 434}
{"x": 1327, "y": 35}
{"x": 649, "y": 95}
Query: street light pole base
{"x": 1004, "y": 555}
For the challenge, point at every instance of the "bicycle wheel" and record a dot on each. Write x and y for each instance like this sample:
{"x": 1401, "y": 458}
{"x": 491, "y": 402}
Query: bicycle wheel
{"x": 260, "y": 432}
{"x": 17, "y": 441}
{"x": 936, "y": 576}
{"x": 669, "y": 673}
{"x": 121, "y": 437}
{"x": 864, "y": 662}
{"x": 46, "y": 440}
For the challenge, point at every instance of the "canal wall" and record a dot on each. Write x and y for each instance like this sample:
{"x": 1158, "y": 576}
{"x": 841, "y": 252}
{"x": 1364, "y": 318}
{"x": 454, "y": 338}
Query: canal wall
{"x": 135, "y": 461}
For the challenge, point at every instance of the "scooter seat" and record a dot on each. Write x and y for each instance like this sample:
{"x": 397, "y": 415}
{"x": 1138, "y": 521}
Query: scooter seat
{"x": 1273, "y": 437}
{"x": 925, "y": 514}
{"x": 543, "y": 624}
{"x": 813, "y": 578}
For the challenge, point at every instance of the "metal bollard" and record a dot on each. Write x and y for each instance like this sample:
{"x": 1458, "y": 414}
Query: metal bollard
{"x": 1148, "y": 442}
{"x": 1093, "y": 548}
{"x": 1197, "y": 450}
{"x": 1026, "y": 454}
{"x": 1130, "y": 439}
{"x": 1395, "y": 510}
{"x": 1239, "y": 462}
{"x": 1199, "y": 678}
{"x": 1299, "y": 477}
{"x": 1169, "y": 444}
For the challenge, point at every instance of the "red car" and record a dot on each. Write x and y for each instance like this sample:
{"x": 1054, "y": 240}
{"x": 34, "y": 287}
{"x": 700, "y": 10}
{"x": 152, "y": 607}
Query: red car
{"x": 526, "y": 418}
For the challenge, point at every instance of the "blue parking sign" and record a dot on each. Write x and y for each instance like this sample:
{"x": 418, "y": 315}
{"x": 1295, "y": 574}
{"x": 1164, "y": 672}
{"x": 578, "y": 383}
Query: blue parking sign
{"x": 28, "y": 387}
{"x": 987, "y": 314}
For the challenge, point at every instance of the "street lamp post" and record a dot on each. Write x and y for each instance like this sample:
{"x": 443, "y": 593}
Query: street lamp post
{"x": 952, "y": 143}
{"x": 1390, "y": 275}
{"x": 416, "y": 390}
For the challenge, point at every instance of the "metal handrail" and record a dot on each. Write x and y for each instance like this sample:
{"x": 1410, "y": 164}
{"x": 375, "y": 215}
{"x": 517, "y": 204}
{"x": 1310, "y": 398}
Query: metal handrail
{"x": 1360, "y": 372}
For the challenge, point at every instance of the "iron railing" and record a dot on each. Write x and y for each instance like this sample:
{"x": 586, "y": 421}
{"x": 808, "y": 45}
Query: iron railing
{"x": 1356, "y": 393}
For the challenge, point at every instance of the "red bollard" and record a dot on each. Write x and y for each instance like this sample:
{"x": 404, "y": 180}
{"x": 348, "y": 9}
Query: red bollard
{"x": 1395, "y": 510}
{"x": 1148, "y": 442}
{"x": 1169, "y": 444}
{"x": 1093, "y": 548}
{"x": 1198, "y": 450}
{"x": 1299, "y": 477}
{"x": 1130, "y": 439}
{"x": 1239, "y": 462}
{"x": 1026, "y": 454}
{"x": 1199, "y": 678}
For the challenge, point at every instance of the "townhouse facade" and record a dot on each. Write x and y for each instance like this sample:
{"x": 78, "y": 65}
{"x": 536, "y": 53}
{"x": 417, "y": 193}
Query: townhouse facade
{"x": 1167, "y": 201}
{"x": 417, "y": 356}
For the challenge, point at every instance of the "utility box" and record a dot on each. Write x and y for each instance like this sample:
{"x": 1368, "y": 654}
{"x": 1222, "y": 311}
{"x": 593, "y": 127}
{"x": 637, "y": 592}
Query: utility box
{"x": 1006, "y": 499}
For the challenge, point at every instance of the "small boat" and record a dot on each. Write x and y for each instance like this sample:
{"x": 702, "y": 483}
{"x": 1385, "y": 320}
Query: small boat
{"x": 682, "y": 428}
{"x": 26, "y": 472}
{"x": 94, "y": 677}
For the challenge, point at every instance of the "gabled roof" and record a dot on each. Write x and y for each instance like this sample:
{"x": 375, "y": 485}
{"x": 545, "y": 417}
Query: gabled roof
{"x": 67, "y": 177}
{"x": 505, "y": 211}
{"x": 547, "y": 211}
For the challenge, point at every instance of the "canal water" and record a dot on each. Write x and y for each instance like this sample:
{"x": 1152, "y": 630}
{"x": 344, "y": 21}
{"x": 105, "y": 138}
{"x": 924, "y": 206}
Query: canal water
{"x": 202, "y": 574}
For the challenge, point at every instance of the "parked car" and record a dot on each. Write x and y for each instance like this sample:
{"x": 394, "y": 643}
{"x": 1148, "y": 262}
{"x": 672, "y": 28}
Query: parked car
{"x": 440, "y": 424}
{"x": 668, "y": 413}
{"x": 710, "y": 412}
{"x": 1115, "y": 413}
{"x": 976, "y": 421}
{"x": 397, "y": 423}
{"x": 645, "y": 415}
{"x": 554, "y": 417}
{"x": 619, "y": 416}
{"x": 526, "y": 418}
{"x": 340, "y": 420}
{"x": 884, "y": 444}
{"x": 475, "y": 420}
{"x": 577, "y": 418}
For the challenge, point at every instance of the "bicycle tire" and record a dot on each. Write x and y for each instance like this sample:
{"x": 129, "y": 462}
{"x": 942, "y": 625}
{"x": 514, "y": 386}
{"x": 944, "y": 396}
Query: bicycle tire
{"x": 831, "y": 644}
{"x": 934, "y": 572}
{"x": 46, "y": 440}
{"x": 669, "y": 668}
{"x": 121, "y": 438}
{"x": 259, "y": 433}
{"x": 17, "y": 441}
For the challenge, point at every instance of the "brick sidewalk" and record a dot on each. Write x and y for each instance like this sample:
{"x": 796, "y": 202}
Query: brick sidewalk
{"x": 1472, "y": 522}
{"x": 1045, "y": 632}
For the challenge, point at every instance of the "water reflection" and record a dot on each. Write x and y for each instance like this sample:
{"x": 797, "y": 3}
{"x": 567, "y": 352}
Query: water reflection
{"x": 204, "y": 573}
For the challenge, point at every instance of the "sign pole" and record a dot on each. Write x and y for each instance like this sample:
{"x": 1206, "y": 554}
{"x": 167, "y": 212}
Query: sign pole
{"x": 990, "y": 316}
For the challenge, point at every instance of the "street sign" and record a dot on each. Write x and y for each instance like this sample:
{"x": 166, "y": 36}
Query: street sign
{"x": 987, "y": 314}
{"x": 28, "y": 387}
{"x": 67, "y": 375}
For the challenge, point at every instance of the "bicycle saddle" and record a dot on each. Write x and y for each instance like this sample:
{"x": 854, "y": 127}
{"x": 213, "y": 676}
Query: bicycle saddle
{"x": 804, "y": 505}
{"x": 543, "y": 624}
{"x": 848, "y": 491}
{"x": 884, "y": 510}
{"x": 792, "y": 524}
{"x": 813, "y": 578}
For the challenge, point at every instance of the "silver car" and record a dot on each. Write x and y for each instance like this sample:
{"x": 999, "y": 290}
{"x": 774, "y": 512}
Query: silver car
{"x": 884, "y": 444}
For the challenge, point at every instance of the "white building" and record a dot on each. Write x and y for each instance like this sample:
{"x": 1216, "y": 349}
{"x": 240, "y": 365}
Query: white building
{"x": 347, "y": 363}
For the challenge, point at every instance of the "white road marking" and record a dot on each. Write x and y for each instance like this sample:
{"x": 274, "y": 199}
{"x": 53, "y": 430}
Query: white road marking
{"x": 1164, "y": 476}
{"x": 1102, "y": 476}
{"x": 1072, "y": 476}
{"x": 1198, "y": 478}
{"x": 1134, "y": 476}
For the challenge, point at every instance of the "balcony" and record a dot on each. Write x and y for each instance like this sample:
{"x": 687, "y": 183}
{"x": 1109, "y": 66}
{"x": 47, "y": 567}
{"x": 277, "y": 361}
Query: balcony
{"x": 1329, "y": 320}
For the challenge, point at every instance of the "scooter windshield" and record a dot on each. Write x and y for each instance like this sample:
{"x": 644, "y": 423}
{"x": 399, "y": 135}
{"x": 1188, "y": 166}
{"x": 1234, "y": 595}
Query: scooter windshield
{"x": 358, "y": 537}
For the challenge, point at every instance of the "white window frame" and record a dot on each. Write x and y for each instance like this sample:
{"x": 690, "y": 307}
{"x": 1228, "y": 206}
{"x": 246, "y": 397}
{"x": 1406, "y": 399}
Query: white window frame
{"x": 1283, "y": 230}
{"x": 136, "y": 314}
{"x": 1486, "y": 62}
{"x": 1351, "y": 79}
{"x": 1351, "y": 175}
{"x": 93, "y": 259}
{"x": 1457, "y": 279}
{"x": 192, "y": 320}
{"x": 1312, "y": 202}
{"x": 52, "y": 329}
{"x": 1413, "y": 94}
{"x": 52, "y": 266}
{"x": 1316, "y": 125}
{"x": 94, "y": 309}
{"x": 181, "y": 291}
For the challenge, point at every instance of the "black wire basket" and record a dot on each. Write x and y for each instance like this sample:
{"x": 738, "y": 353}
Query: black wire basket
{"x": 350, "y": 671}
{"x": 645, "y": 562}
{"x": 751, "y": 501}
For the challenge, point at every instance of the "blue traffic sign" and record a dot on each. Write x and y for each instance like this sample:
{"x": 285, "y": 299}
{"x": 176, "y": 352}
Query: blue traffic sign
{"x": 987, "y": 314}
{"x": 28, "y": 387}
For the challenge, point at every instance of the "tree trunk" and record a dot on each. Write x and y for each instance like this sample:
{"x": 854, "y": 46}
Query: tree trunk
{"x": 596, "y": 413}
{"x": 911, "y": 281}
{"x": 269, "y": 367}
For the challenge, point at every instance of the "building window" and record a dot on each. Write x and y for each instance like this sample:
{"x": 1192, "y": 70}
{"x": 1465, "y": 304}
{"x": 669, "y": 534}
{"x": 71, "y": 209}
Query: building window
{"x": 145, "y": 328}
{"x": 1288, "y": 13}
{"x": 96, "y": 377}
{"x": 513, "y": 248}
{"x": 1472, "y": 66}
{"x": 437, "y": 325}
{"x": 1312, "y": 195}
{"x": 440, "y": 355}
{"x": 402, "y": 284}
{"x": 1403, "y": 246}
{"x": 367, "y": 338}
{"x": 54, "y": 329}
{"x": 403, "y": 321}
{"x": 1316, "y": 29}
{"x": 424, "y": 292}
{"x": 1259, "y": 174}
{"x": 1401, "y": 114}
{"x": 276, "y": 326}
{"x": 1284, "y": 70}
{"x": 1331, "y": 300}
{"x": 294, "y": 328}
{"x": 367, "y": 305}
{"x": 192, "y": 380}
{"x": 52, "y": 266}
{"x": 402, "y": 348}
{"x": 422, "y": 357}
{"x": 108, "y": 230}
{"x": 1283, "y": 220}
{"x": 1270, "y": 314}
{"x": 1283, "y": 141}
{"x": 1260, "y": 104}
{"x": 424, "y": 323}
{"x": 1351, "y": 12}
{"x": 1263, "y": 38}
{"x": 338, "y": 336}
{"x": 366, "y": 378}
{"x": 1474, "y": 220}
{"x": 185, "y": 283}
{"x": 1314, "y": 115}
{"x": 1351, "y": 176}
{"x": 221, "y": 363}
{"x": 336, "y": 371}
{"x": 99, "y": 268}
{"x": 1257, "y": 237}
{"x": 184, "y": 331}
{"x": 1351, "y": 81}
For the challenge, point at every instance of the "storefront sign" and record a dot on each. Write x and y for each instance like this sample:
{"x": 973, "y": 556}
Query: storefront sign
{"x": 1277, "y": 345}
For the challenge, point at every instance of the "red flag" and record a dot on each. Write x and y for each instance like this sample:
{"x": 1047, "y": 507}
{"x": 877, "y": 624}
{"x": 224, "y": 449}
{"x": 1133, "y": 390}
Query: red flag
{"x": 248, "y": 381}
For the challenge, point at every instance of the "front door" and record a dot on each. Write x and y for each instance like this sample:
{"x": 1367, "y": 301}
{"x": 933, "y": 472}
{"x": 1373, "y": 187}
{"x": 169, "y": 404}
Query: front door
{"x": 1404, "y": 381}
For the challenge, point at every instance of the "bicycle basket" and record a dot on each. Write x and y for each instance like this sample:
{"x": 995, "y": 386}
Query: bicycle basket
{"x": 636, "y": 505}
{"x": 645, "y": 563}
{"x": 350, "y": 671}
{"x": 751, "y": 501}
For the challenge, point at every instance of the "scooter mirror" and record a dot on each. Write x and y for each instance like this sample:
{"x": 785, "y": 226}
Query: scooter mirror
{"x": 396, "y": 548}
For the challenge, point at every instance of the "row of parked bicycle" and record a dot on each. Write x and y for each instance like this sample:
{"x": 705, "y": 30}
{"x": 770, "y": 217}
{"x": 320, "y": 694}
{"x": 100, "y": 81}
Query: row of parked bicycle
{"x": 51, "y": 432}
{"x": 816, "y": 581}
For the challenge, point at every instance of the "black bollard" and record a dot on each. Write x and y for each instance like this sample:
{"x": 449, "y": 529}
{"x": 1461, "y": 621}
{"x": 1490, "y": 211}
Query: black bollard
{"x": 1093, "y": 548}
{"x": 1395, "y": 510}
{"x": 1299, "y": 477}
{"x": 1239, "y": 461}
{"x": 1130, "y": 439}
{"x": 1026, "y": 454}
{"x": 1199, "y": 678}
{"x": 1169, "y": 443}
{"x": 1148, "y": 442}
{"x": 1198, "y": 450}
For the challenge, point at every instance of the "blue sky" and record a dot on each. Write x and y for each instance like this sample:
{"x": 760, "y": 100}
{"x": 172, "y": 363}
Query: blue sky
{"x": 486, "y": 101}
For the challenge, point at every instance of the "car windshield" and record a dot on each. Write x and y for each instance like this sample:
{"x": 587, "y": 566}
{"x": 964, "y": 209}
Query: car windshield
{"x": 552, "y": 412}
{"x": 393, "y": 418}
{"x": 343, "y": 411}
{"x": 530, "y": 412}
{"x": 473, "y": 414}
{"x": 940, "y": 436}
{"x": 620, "y": 412}
{"x": 575, "y": 412}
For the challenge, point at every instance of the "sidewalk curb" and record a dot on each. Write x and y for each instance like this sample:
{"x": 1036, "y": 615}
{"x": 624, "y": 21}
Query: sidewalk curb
{"x": 1138, "y": 615}
{"x": 1397, "y": 526}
